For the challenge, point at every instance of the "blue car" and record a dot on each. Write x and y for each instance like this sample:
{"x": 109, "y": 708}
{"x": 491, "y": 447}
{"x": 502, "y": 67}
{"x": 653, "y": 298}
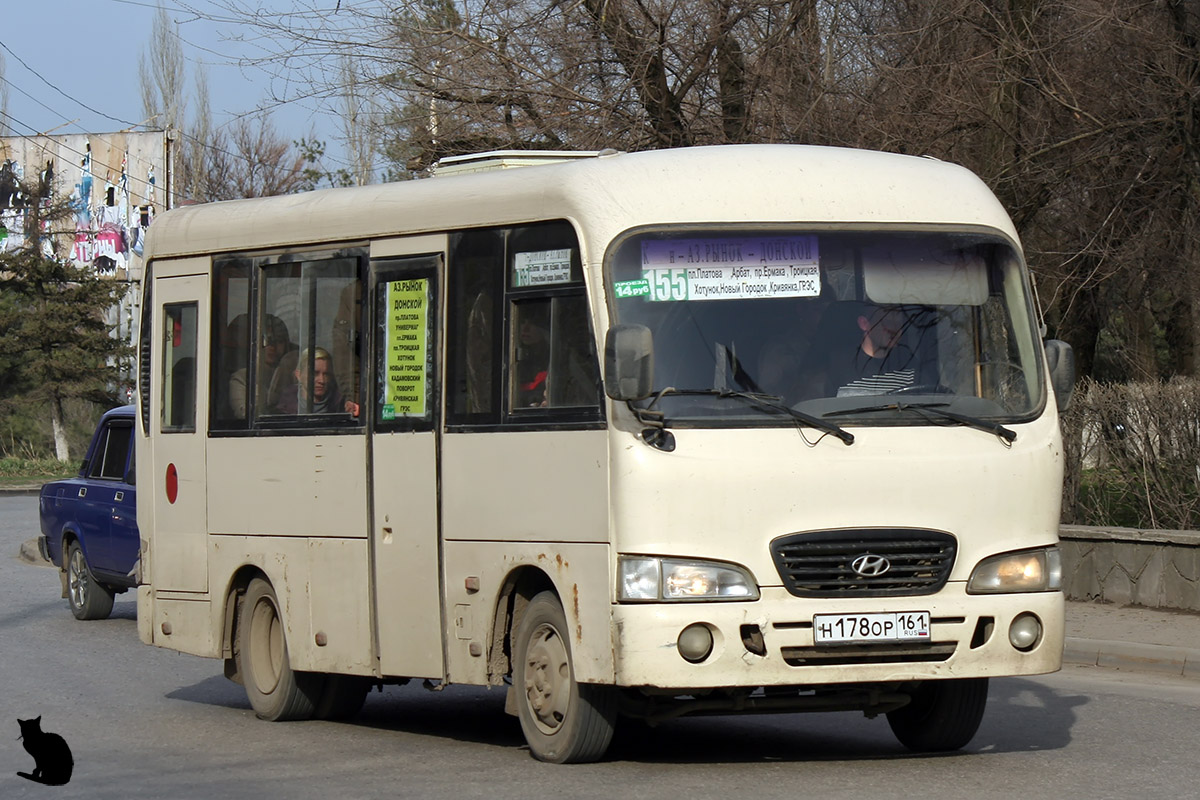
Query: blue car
{"x": 89, "y": 522}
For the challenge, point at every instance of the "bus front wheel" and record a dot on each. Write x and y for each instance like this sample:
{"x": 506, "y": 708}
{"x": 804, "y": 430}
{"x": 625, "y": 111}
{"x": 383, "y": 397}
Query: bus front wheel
{"x": 943, "y": 715}
{"x": 275, "y": 692}
{"x": 563, "y": 721}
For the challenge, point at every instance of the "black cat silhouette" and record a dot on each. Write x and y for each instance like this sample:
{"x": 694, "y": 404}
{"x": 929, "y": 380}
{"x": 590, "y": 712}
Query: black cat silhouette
{"x": 52, "y": 758}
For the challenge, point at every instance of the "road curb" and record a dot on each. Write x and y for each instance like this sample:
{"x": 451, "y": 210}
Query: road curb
{"x": 1183, "y": 662}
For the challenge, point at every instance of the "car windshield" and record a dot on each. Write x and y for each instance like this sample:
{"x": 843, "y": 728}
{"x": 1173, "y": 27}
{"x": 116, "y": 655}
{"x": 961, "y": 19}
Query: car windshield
{"x": 878, "y": 327}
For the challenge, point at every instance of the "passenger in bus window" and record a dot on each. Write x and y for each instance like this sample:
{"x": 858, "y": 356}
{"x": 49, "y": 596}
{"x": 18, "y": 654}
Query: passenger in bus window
{"x": 325, "y": 398}
{"x": 276, "y": 370}
{"x": 230, "y": 370}
{"x": 532, "y": 353}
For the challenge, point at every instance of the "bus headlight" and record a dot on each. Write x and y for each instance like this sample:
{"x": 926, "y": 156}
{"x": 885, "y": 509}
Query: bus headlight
{"x": 649, "y": 579}
{"x": 1023, "y": 571}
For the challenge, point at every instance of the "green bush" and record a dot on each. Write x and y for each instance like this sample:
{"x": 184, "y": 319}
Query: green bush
{"x": 1133, "y": 455}
{"x": 25, "y": 431}
{"x": 45, "y": 468}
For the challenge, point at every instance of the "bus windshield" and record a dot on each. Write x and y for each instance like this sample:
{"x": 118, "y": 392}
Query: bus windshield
{"x": 889, "y": 328}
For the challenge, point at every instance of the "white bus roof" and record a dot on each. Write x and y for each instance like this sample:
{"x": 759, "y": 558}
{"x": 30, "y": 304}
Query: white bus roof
{"x": 794, "y": 184}
{"x": 506, "y": 159}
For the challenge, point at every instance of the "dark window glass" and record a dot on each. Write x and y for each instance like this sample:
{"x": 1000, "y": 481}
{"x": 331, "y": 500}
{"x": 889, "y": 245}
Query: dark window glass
{"x": 304, "y": 353}
{"x": 476, "y": 273}
{"x": 112, "y": 453}
{"x": 553, "y": 363}
{"x": 179, "y": 367}
{"x": 231, "y": 344}
{"x": 544, "y": 256}
{"x": 287, "y": 342}
{"x": 519, "y": 319}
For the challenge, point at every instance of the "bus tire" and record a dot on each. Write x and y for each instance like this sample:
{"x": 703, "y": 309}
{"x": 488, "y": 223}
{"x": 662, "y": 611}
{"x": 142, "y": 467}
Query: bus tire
{"x": 563, "y": 721}
{"x": 342, "y": 697}
{"x": 943, "y": 715}
{"x": 276, "y": 693}
{"x": 88, "y": 598}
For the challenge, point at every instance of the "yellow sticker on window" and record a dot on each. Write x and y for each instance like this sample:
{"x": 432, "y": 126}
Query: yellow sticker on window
{"x": 406, "y": 384}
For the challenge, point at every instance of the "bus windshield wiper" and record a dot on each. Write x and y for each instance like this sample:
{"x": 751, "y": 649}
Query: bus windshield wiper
{"x": 764, "y": 401}
{"x": 938, "y": 410}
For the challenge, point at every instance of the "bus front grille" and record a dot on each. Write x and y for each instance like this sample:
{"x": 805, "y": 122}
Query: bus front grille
{"x": 872, "y": 562}
{"x": 847, "y": 655}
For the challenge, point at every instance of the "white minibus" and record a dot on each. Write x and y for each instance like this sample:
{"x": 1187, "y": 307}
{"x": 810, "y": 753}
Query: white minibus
{"x": 761, "y": 428}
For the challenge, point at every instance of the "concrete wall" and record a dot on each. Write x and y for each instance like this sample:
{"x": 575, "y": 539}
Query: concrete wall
{"x": 1156, "y": 569}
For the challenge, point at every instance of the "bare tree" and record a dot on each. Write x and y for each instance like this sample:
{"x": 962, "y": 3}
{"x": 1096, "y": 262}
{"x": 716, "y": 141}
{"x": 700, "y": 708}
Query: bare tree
{"x": 195, "y": 147}
{"x": 1080, "y": 114}
{"x": 162, "y": 74}
{"x": 598, "y": 73}
{"x": 248, "y": 160}
{"x": 359, "y": 123}
{"x": 254, "y": 161}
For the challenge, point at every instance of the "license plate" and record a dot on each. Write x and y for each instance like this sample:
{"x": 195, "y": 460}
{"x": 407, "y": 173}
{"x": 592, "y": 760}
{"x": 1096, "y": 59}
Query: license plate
{"x": 900, "y": 626}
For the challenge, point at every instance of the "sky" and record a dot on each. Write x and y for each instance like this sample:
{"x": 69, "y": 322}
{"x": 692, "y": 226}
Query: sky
{"x": 71, "y": 66}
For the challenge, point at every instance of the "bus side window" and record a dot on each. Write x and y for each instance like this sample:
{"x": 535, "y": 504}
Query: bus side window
{"x": 552, "y": 362}
{"x": 476, "y": 271}
{"x": 231, "y": 345}
{"x": 276, "y": 352}
{"x": 307, "y": 344}
{"x": 346, "y": 341}
{"x": 529, "y": 375}
{"x": 552, "y": 358}
{"x": 574, "y": 372}
{"x": 179, "y": 367}
{"x": 519, "y": 336}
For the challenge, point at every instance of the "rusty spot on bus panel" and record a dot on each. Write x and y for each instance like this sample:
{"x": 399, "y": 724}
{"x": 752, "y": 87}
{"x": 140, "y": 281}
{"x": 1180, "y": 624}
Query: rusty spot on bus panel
{"x": 575, "y": 605}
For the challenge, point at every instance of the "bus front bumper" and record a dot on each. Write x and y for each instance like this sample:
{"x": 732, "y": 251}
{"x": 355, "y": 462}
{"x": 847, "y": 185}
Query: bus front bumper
{"x": 770, "y": 642}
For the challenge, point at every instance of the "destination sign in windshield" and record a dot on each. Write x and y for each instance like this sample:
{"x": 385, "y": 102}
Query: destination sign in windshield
{"x": 726, "y": 269}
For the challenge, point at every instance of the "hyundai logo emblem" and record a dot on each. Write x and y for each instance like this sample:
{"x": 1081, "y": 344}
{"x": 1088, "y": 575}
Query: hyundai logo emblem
{"x": 869, "y": 565}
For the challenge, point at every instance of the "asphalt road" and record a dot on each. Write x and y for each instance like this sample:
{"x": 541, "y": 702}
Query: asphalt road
{"x": 150, "y": 723}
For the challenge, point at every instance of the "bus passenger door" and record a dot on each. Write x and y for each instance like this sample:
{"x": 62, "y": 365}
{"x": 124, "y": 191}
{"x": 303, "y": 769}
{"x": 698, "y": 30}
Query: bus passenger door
{"x": 404, "y": 304}
{"x": 176, "y": 490}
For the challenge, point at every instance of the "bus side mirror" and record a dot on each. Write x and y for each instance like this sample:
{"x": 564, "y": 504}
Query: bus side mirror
{"x": 628, "y": 362}
{"x": 1061, "y": 360}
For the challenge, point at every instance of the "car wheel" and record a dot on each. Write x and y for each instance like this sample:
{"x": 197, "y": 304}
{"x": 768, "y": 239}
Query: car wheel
{"x": 563, "y": 721}
{"x": 88, "y": 599}
{"x": 275, "y": 692}
{"x": 943, "y": 715}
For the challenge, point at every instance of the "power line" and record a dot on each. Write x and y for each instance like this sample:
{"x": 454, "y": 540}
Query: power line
{"x": 33, "y": 138}
{"x": 180, "y": 134}
{"x": 64, "y": 94}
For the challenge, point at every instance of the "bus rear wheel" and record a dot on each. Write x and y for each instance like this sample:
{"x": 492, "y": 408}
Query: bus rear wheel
{"x": 942, "y": 716}
{"x": 342, "y": 697}
{"x": 275, "y": 692}
{"x": 563, "y": 721}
